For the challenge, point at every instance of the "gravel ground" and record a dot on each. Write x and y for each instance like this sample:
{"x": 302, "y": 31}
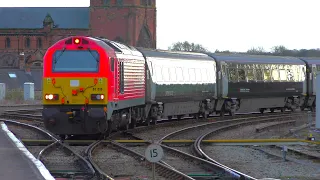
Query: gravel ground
{"x": 261, "y": 165}
{"x": 176, "y": 161}
{"x": 158, "y": 133}
{"x": 59, "y": 159}
{"x": 25, "y": 133}
{"x": 246, "y": 132}
{"x": 113, "y": 163}
{"x": 262, "y": 162}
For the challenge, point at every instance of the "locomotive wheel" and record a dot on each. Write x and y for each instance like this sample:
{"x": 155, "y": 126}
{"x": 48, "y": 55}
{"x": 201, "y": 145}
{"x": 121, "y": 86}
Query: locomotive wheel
{"x": 282, "y": 109}
{"x": 196, "y": 116}
{"x": 169, "y": 117}
{"x": 154, "y": 121}
{"x": 231, "y": 113}
{"x": 272, "y": 110}
{"x": 108, "y": 130}
{"x": 147, "y": 122}
{"x": 261, "y": 110}
{"x": 222, "y": 113}
{"x": 204, "y": 116}
{"x": 133, "y": 123}
{"x": 125, "y": 127}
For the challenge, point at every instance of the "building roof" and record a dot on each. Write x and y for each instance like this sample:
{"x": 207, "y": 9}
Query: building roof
{"x": 15, "y": 78}
{"x": 33, "y": 17}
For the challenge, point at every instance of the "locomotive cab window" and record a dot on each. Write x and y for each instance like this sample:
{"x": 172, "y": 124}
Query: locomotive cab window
{"x": 75, "y": 61}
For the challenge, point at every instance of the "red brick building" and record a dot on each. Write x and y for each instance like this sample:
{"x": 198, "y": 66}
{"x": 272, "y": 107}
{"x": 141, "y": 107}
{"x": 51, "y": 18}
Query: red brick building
{"x": 32, "y": 30}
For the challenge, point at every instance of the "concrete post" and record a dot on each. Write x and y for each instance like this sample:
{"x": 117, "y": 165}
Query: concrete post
{"x": 28, "y": 91}
{"x": 2, "y": 91}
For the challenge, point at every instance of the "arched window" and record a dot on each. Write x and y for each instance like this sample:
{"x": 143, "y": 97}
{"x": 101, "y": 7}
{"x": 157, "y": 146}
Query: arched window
{"x": 7, "y": 43}
{"x": 39, "y": 43}
{"x": 27, "y": 43}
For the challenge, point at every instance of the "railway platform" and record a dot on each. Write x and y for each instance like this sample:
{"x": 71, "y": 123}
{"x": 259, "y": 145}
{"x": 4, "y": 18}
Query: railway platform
{"x": 16, "y": 162}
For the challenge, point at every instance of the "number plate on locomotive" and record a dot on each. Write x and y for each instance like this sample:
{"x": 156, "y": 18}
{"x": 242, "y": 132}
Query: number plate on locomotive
{"x": 74, "y": 83}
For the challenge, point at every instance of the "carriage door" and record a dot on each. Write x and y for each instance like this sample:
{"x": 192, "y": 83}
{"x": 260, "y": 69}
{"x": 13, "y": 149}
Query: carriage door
{"x": 313, "y": 80}
{"x": 223, "y": 79}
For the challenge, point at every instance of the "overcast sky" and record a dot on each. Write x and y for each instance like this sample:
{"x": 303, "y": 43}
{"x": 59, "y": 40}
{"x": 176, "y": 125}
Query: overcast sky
{"x": 235, "y": 25}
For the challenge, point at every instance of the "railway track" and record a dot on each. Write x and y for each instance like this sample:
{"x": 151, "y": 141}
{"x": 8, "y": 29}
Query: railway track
{"x": 62, "y": 161}
{"x": 271, "y": 152}
{"x": 200, "y": 166}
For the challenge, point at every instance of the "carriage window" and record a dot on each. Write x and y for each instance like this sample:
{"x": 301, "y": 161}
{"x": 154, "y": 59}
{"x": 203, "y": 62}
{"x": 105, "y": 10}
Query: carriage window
{"x": 192, "y": 75}
{"x": 275, "y": 75}
{"x": 259, "y": 75}
{"x": 112, "y": 64}
{"x": 289, "y": 75}
{"x": 159, "y": 74}
{"x": 266, "y": 75}
{"x": 186, "y": 75}
{"x": 295, "y": 73}
{"x": 250, "y": 75}
{"x": 198, "y": 75}
{"x": 242, "y": 75}
{"x": 232, "y": 75}
{"x": 204, "y": 75}
{"x": 283, "y": 75}
{"x": 165, "y": 74}
{"x": 173, "y": 75}
{"x": 179, "y": 74}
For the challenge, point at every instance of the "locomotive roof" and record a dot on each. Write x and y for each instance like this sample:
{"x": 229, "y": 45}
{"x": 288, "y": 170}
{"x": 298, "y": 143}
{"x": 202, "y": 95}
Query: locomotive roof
{"x": 311, "y": 60}
{"x": 174, "y": 54}
{"x": 256, "y": 58}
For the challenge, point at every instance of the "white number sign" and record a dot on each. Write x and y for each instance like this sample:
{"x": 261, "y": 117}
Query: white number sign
{"x": 154, "y": 153}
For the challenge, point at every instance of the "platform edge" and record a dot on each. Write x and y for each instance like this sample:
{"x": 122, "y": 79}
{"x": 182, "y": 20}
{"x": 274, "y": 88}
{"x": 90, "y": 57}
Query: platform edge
{"x": 42, "y": 169}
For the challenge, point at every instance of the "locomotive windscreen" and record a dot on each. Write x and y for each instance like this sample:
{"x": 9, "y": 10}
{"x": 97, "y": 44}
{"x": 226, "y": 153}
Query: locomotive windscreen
{"x": 75, "y": 61}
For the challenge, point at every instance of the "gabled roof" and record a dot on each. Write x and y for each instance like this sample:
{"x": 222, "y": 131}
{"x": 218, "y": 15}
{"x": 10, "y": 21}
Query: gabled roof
{"x": 33, "y": 17}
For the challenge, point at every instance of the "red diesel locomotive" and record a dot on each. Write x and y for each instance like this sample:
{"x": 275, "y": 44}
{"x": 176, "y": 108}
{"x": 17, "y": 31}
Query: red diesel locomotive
{"x": 83, "y": 86}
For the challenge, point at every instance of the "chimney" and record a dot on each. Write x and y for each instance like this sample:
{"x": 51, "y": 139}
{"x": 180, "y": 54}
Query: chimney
{"x": 21, "y": 60}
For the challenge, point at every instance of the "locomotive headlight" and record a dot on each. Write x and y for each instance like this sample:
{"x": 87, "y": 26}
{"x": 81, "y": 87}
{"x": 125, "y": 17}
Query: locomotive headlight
{"x": 97, "y": 97}
{"x": 51, "y": 96}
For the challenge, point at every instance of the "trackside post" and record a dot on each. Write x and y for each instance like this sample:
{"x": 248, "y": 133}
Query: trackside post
{"x": 153, "y": 154}
{"x": 318, "y": 102}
